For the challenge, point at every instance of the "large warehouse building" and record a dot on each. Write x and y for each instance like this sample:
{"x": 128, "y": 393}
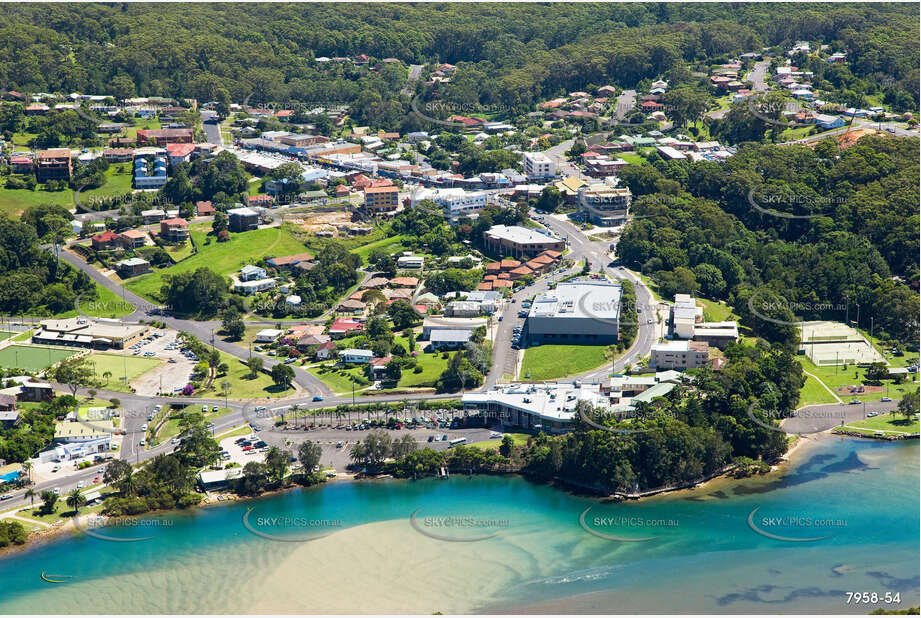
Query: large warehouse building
{"x": 583, "y": 311}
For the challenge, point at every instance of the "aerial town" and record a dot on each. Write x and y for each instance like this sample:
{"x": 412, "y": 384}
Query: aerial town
{"x": 623, "y": 284}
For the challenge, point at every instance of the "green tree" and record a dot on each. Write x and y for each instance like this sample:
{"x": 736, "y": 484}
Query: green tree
{"x": 309, "y": 455}
{"x": 282, "y": 375}
{"x": 254, "y": 363}
{"x": 75, "y": 499}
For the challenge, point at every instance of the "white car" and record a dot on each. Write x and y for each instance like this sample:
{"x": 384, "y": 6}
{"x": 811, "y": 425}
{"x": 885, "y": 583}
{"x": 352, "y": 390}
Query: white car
{"x": 80, "y": 485}
{"x": 57, "y": 491}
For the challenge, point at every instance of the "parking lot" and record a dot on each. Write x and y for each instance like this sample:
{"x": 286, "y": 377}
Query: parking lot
{"x": 173, "y": 375}
{"x": 336, "y": 455}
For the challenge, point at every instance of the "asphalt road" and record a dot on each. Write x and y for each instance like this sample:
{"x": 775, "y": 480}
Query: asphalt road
{"x": 813, "y": 419}
{"x": 211, "y": 126}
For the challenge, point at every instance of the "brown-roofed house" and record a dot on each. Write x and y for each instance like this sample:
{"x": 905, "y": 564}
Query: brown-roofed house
{"x": 132, "y": 239}
{"x": 501, "y": 283}
{"x": 486, "y": 286}
{"x": 106, "y": 241}
{"x": 493, "y": 267}
{"x": 286, "y": 262}
{"x": 509, "y": 264}
{"x": 204, "y": 209}
{"x": 53, "y": 163}
{"x": 404, "y": 282}
{"x": 521, "y": 271}
{"x": 551, "y": 253}
{"x": 375, "y": 282}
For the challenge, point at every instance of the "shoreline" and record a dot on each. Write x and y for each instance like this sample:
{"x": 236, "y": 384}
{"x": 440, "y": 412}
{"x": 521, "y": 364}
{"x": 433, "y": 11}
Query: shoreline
{"x": 41, "y": 536}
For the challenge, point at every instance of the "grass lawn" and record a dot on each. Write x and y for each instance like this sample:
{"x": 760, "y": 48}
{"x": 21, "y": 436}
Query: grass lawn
{"x": 433, "y": 365}
{"x": 632, "y": 158}
{"x": 33, "y": 358}
{"x": 518, "y": 439}
{"x": 119, "y": 364}
{"x": 340, "y": 380}
{"x": 150, "y": 123}
{"x": 177, "y": 253}
{"x": 891, "y": 423}
{"x": 170, "y": 428}
{"x": 852, "y": 376}
{"x": 390, "y": 244}
{"x": 107, "y": 304}
{"x": 223, "y": 258}
{"x": 14, "y": 201}
{"x": 25, "y": 335}
{"x": 549, "y": 362}
{"x": 716, "y": 311}
{"x": 241, "y": 385}
{"x": 4, "y": 335}
{"x": 813, "y": 392}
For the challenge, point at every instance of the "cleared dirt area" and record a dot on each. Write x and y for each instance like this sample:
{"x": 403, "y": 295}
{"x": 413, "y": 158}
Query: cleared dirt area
{"x": 334, "y": 223}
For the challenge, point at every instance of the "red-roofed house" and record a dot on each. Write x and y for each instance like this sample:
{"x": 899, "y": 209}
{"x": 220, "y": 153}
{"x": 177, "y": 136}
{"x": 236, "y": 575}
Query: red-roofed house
{"x": 326, "y": 350}
{"x": 21, "y": 165}
{"x": 361, "y": 182}
{"x": 509, "y": 264}
{"x": 342, "y": 190}
{"x": 404, "y": 282}
{"x": 342, "y": 327}
{"x": 106, "y": 241}
{"x": 502, "y": 283}
{"x": 179, "y": 153}
{"x": 262, "y": 200}
{"x": 175, "y": 229}
{"x": 486, "y": 286}
{"x": 651, "y": 106}
{"x": 521, "y": 271}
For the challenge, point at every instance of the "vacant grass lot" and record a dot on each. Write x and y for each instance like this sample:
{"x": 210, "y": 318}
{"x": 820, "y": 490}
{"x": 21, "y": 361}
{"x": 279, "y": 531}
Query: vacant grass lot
{"x": 715, "y": 311}
{"x": 107, "y": 304}
{"x": 241, "y": 385}
{"x": 32, "y": 358}
{"x": 549, "y": 362}
{"x": 14, "y": 201}
{"x": 120, "y": 365}
{"x": 518, "y": 439}
{"x": 223, "y": 258}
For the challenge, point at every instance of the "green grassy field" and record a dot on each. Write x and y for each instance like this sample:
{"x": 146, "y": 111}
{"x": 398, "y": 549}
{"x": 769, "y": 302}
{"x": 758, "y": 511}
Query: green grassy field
{"x": 812, "y": 392}
{"x": 339, "y": 379}
{"x": 241, "y": 385}
{"x": 177, "y": 253}
{"x": 4, "y": 335}
{"x": 518, "y": 439}
{"x": 14, "y": 201}
{"x": 106, "y": 305}
{"x": 118, "y": 364}
{"x": 892, "y": 423}
{"x": 632, "y": 158}
{"x": 170, "y": 428}
{"x": 32, "y": 358}
{"x": 549, "y": 362}
{"x": 223, "y": 258}
{"x": 715, "y": 311}
{"x": 390, "y": 244}
{"x": 142, "y": 124}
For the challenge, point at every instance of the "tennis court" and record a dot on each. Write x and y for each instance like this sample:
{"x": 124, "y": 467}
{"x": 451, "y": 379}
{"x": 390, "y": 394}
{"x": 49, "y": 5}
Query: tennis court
{"x": 834, "y": 343}
{"x": 33, "y": 358}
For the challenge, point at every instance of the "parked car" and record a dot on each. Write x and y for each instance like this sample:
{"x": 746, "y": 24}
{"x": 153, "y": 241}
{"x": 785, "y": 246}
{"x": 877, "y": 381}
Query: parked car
{"x": 886, "y": 399}
{"x": 6, "y": 496}
{"x": 317, "y": 398}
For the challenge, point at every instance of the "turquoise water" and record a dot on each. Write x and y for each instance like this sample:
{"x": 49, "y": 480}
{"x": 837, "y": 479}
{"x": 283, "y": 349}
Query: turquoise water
{"x": 369, "y": 557}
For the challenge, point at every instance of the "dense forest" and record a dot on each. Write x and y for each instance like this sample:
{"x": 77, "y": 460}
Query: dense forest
{"x": 725, "y": 231}
{"x": 508, "y": 55}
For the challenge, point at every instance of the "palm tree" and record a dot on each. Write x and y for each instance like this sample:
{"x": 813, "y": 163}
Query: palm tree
{"x": 295, "y": 408}
{"x": 75, "y": 500}
{"x": 128, "y": 484}
{"x": 27, "y": 466}
{"x": 30, "y": 494}
{"x": 107, "y": 374}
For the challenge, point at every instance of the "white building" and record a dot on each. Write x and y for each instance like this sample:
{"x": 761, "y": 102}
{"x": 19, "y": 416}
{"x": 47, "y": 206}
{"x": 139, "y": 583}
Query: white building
{"x": 679, "y": 355}
{"x": 410, "y": 261}
{"x": 583, "y": 311}
{"x": 550, "y": 408}
{"x": 538, "y": 166}
{"x": 268, "y": 335}
{"x": 253, "y": 287}
{"x": 356, "y": 356}
{"x": 685, "y": 314}
{"x": 454, "y": 202}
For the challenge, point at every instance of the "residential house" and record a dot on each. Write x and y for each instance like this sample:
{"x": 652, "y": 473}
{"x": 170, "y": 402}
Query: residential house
{"x": 243, "y": 219}
{"x": 343, "y": 327}
{"x": 251, "y": 272}
{"x": 174, "y": 230}
{"x": 52, "y": 164}
{"x": 132, "y": 266}
{"x": 355, "y": 356}
{"x": 106, "y": 241}
{"x": 204, "y": 209}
